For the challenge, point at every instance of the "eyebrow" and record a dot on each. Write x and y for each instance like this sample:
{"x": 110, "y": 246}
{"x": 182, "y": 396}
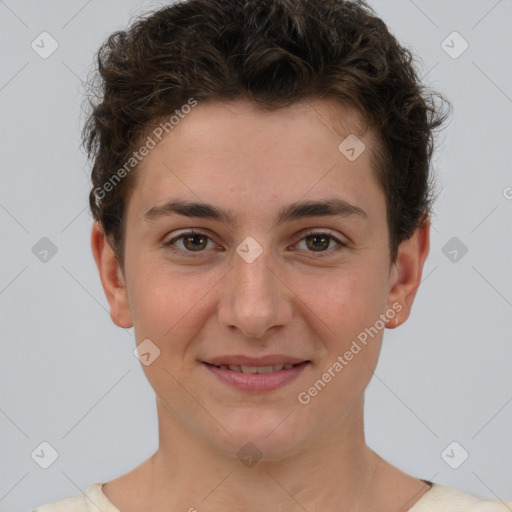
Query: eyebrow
{"x": 299, "y": 210}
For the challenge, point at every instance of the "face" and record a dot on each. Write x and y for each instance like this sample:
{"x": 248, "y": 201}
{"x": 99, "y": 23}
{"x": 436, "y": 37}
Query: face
{"x": 258, "y": 281}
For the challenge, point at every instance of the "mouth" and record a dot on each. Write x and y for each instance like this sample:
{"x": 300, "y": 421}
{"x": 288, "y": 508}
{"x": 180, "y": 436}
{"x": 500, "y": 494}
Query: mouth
{"x": 256, "y": 369}
{"x": 253, "y": 375}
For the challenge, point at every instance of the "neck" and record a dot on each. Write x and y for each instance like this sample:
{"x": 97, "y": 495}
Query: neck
{"x": 188, "y": 473}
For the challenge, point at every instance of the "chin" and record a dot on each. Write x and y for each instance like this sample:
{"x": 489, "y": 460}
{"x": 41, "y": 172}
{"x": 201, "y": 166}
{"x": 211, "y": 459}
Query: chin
{"x": 261, "y": 436}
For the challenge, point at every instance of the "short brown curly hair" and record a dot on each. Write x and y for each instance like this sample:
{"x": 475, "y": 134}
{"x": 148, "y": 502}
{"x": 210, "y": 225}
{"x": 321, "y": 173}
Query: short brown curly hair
{"x": 273, "y": 53}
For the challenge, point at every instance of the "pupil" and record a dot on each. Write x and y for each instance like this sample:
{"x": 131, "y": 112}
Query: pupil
{"x": 194, "y": 238}
{"x": 322, "y": 245}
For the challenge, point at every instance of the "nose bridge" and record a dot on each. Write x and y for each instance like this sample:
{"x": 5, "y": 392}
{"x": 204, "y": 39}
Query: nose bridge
{"x": 256, "y": 300}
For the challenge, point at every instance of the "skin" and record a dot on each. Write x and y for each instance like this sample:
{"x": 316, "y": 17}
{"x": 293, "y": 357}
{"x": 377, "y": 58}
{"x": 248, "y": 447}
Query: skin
{"x": 290, "y": 300}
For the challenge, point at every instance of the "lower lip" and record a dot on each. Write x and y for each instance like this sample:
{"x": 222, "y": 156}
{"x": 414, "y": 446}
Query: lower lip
{"x": 258, "y": 382}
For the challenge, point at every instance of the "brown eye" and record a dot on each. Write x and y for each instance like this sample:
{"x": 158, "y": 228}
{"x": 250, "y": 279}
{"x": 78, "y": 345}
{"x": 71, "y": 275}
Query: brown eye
{"x": 196, "y": 241}
{"x": 317, "y": 242}
{"x": 189, "y": 242}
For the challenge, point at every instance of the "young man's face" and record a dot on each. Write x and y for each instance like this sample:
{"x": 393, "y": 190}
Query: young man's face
{"x": 214, "y": 298}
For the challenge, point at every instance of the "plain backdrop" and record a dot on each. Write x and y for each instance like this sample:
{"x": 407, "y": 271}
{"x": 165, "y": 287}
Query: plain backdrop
{"x": 68, "y": 376}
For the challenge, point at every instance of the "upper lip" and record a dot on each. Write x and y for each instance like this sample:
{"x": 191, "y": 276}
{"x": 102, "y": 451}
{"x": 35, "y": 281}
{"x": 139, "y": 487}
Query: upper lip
{"x": 241, "y": 360}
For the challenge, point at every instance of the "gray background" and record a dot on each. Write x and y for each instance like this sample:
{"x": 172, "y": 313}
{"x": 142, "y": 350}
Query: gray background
{"x": 67, "y": 373}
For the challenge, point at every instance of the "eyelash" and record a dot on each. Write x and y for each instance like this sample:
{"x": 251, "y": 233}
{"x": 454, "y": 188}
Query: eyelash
{"x": 192, "y": 254}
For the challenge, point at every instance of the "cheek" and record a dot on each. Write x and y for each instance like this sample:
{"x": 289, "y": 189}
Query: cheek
{"x": 159, "y": 298}
{"x": 172, "y": 307}
{"x": 349, "y": 304}
{"x": 345, "y": 300}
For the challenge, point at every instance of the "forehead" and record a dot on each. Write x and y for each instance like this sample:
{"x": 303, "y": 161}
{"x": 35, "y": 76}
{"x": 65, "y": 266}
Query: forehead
{"x": 239, "y": 149}
{"x": 310, "y": 115}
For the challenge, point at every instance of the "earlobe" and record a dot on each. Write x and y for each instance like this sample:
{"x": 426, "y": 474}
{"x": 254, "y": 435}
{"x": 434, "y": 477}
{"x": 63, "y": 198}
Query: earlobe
{"x": 405, "y": 276}
{"x": 111, "y": 277}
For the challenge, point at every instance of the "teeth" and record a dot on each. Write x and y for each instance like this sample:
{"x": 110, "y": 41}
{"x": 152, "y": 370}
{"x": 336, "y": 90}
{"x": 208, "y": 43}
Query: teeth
{"x": 255, "y": 369}
{"x": 249, "y": 369}
{"x": 267, "y": 369}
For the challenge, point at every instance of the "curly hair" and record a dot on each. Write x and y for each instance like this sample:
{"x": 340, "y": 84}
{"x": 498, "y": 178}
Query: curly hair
{"x": 273, "y": 53}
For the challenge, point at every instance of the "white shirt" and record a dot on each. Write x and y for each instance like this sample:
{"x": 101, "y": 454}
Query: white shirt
{"x": 439, "y": 498}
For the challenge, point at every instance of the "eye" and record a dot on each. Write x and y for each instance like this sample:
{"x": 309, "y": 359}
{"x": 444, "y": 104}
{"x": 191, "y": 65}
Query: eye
{"x": 196, "y": 242}
{"x": 193, "y": 241}
{"x": 319, "y": 242}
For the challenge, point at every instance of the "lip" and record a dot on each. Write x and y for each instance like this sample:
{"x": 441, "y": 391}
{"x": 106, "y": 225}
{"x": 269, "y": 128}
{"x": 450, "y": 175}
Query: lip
{"x": 258, "y": 382}
{"x": 242, "y": 360}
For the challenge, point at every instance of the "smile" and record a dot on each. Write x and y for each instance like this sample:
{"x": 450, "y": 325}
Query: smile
{"x": 256, "y": 379}
{"x": 255, "y": 369}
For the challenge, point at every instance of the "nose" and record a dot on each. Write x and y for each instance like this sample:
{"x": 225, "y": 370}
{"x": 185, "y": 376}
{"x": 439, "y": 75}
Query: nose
{"x": 255, "y": 297}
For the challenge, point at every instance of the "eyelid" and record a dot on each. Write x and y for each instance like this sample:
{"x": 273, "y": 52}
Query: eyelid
{"x": 321, "y": 231}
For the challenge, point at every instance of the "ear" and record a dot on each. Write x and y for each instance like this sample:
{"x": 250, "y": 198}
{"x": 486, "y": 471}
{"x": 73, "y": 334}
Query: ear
{"x": 405, "y": 276}
{"x": 111, "y": 277}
